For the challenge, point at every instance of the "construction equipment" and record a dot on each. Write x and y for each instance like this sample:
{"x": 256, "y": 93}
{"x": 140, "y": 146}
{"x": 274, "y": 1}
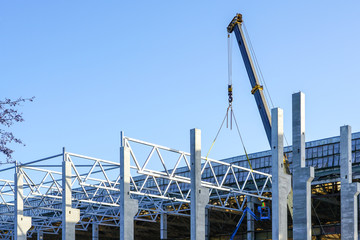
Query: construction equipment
{"x": 235, "y": 26}
{"x": 257, "y": 89}
{"x": 264, "y": 211}
{"x": 263, "y": 216}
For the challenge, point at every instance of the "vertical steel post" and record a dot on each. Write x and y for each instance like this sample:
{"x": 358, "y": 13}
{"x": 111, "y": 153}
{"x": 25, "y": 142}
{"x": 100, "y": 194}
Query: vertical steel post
{"x": 199, "y": 195}
{"x": 302, "y": 175}
{"x": 281, "y": 182}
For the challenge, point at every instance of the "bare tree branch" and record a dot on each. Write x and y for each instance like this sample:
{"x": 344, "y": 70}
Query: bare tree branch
{"x": 8, "y": 116}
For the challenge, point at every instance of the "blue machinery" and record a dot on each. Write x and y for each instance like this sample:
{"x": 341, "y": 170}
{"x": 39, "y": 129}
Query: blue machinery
{"x": 264, "y": 215}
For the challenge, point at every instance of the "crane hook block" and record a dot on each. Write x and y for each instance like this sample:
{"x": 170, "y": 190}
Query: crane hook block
{"x": 230, "y": 93}
{"x": 237, "y": 19}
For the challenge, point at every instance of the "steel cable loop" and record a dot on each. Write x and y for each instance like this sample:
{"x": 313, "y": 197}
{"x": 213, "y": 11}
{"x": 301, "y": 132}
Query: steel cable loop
{"x": 242, "y": 142}
{"x": 232, "y": 116}
{"x": 218, "y": 132}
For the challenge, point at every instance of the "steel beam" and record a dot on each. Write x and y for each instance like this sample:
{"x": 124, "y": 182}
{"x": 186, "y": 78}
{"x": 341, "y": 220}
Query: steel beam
{"x": 302, "y": 176}
{"x": 281, "y": 182}
{"x": 349, "y": 190}
{"x": 199, "y": 194}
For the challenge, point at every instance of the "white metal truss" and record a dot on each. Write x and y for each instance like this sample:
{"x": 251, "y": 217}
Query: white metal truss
{"x": 160, "y": 181}
{"x": 168, "y": 189}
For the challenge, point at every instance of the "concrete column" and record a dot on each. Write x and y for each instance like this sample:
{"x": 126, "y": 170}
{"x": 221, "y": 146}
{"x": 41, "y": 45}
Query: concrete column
{"x": 302, "y": 176}
{"x": 281, "y": 182}
{"x": 163, "y": 226}
{"x": 250, "y": 235}
{"x": 70, "y": 216}
{"x": 349, "y": 190}
{"x": 207, "y": 223}
{"x": 40, "y": 235}
{"x": 22, "y": 223}
{"x": 128, "y": 206}
{"x": 95, "y": 231}
{"x": 199, "y": 194}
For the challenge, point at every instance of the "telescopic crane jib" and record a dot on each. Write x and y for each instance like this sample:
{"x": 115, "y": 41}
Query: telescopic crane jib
{"x": 235, "y": 26}
{"x": 257, "y": 89}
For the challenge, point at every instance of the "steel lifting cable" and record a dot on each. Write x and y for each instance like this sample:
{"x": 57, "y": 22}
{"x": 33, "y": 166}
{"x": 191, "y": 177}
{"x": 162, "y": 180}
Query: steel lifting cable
{"x": 218, "y": 132}
{"x": 242, "y": 142}
{"x": 232, "y": 115}
{"x": 229, "y": 47}
{"x": 238, "y": 130}
{"x": 229, "y": 43}
{"x": 230, "y": 93}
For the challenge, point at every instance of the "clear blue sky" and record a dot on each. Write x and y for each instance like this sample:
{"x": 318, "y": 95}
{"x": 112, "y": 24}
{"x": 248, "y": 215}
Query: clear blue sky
{"x": 156, "y": 69}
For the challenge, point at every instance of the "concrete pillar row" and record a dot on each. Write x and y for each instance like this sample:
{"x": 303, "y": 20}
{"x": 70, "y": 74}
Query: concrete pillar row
{"x": 199, "y": 195}
{"x": 349, "y": 190}
{"x": 22, "y": 223}
{"x": 70, "y": 215}
{"x": 302, "y": 175}
{"x": 128, "y": 206}
{"x": 281, "y": 181}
